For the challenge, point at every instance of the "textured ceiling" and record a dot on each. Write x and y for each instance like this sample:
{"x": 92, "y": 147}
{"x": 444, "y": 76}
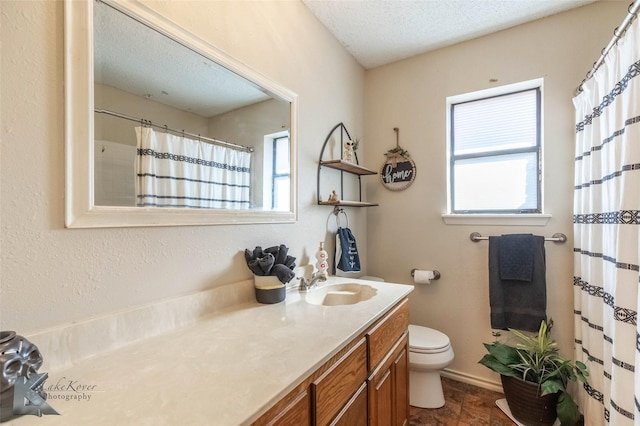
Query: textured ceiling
{"x": 378, "y": 32}
{"x": 136, "y": 59}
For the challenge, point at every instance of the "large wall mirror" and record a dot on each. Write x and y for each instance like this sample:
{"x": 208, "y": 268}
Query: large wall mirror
{"x": 163, "y": 128}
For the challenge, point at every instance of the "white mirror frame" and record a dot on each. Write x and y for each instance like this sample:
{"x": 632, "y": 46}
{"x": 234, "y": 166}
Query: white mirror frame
{"x": 79, "y": 131}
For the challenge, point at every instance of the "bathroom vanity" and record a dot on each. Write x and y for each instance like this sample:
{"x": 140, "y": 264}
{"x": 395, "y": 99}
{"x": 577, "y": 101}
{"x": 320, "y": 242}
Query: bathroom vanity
{"x": 365, "y": 383}
{"x": 305, "y": 361}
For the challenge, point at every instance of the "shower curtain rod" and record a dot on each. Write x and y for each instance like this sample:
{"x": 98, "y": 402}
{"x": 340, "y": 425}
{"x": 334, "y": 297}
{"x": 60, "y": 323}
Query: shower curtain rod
{"x": 144, "y": 122}
{"x": 617, "y": 33}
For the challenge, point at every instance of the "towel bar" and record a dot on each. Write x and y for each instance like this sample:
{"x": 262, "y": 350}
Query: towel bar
{"x": 556, "y": 238}
{"x": 336, "y": 211}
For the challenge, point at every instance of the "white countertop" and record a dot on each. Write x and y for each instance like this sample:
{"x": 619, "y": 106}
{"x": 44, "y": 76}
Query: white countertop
{"x": 226, "y": 369}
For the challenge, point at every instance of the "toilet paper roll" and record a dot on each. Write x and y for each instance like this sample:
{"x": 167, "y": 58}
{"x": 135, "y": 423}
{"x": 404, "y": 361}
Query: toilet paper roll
{"x": 423, "y": 277}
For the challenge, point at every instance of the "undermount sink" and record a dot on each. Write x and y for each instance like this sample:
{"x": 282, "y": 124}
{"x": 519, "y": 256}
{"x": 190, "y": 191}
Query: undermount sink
{"x": 340, "y": 294}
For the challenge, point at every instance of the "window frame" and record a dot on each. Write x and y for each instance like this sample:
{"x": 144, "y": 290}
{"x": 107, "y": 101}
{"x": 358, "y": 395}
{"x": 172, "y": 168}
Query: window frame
{"x": 274, "y": 175}
{"x": 453, "y": 215}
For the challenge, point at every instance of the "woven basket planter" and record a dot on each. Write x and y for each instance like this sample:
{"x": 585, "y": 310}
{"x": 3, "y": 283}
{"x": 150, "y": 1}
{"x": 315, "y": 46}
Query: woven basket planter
{"x": 526, "y": 404}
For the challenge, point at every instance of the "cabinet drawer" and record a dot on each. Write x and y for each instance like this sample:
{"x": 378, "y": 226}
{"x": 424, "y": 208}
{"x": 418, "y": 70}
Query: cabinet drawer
{"x": 383, "y": 335}
{"x": 332, "y": 390}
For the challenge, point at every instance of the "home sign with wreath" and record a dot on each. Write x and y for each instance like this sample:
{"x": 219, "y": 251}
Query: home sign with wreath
{"x": 398, "y": 171}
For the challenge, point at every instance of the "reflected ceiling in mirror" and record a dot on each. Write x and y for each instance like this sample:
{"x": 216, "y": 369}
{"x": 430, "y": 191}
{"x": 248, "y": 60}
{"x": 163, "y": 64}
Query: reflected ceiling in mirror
{"x": 139, "y": 60}
{"x": 152, "y": 77}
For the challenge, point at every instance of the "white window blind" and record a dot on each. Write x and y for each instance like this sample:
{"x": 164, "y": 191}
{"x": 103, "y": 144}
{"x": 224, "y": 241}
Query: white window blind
{"x": 280, "y": 174}
{"x": 494, "y": 154}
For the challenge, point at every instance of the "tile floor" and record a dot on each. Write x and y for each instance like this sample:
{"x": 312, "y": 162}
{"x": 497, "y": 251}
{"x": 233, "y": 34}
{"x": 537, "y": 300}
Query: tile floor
{"x": 464, "y": 405}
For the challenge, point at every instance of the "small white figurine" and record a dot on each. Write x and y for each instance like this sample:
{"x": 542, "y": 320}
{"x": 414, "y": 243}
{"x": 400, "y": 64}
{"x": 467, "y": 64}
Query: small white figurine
{"x": 333, "y": 198}
{"x": 348, "y": 154}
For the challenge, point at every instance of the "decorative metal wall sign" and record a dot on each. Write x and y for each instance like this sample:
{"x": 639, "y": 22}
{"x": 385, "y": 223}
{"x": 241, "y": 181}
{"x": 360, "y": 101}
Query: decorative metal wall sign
{"x": 398, "y": 171}
{"x": 399, "y": 176}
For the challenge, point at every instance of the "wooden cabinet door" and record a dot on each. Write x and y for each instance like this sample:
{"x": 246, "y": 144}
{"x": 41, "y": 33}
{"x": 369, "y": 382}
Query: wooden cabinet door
{"x": 355, "y": 412}
{"x": 380, "y": 398}
{"x": 400, "y": 373}
{"x": 388, "y": 388}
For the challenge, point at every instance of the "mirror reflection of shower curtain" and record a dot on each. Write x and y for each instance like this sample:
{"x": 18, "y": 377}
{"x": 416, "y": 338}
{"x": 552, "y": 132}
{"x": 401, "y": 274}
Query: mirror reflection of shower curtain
{"x": 174, "y": 171}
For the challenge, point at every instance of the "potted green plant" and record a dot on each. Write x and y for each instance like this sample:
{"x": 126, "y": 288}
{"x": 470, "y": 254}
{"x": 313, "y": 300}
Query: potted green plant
{"x": 535, "y": 377}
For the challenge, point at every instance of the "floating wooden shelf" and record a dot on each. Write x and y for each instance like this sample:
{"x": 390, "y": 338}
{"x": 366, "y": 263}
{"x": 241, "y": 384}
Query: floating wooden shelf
{"x": 346, "y": 203}
{"x": 347, "y": 167}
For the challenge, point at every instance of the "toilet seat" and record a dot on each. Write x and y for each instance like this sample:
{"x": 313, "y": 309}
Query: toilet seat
{"x": 426, "y": 340}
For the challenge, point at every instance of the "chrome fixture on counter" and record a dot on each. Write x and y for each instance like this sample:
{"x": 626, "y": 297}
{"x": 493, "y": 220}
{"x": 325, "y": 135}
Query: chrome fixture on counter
{"x": 308, "y": 285}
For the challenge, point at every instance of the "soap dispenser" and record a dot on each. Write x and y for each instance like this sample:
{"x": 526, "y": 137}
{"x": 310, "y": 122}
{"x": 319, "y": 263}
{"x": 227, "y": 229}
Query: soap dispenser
{"x": 323, "y": 259}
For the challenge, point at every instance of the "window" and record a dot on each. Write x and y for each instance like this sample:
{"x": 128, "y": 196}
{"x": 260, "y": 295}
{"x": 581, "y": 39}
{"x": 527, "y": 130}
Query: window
{"x": 280, "y": 174}
{"x": 495, "y": 151}
{"x": 277, "y": 172}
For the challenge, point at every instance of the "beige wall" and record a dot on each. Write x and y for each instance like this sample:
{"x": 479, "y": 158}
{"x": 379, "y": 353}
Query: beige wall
{"x": 107, "y": 127}
{"x": 51, "y": 275}
{"x": 407, "y": 230}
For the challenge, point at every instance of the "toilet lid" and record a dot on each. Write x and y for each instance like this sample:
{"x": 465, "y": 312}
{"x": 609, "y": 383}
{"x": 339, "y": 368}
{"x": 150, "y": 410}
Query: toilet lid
{"x": 427, "y": 340}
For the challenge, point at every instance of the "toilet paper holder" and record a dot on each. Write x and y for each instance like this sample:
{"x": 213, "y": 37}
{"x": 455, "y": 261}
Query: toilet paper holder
{"x": 436, "y": 274}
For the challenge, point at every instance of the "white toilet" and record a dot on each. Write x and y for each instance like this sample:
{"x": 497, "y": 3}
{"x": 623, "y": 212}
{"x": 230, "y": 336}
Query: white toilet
{"x": 429, "y": 352}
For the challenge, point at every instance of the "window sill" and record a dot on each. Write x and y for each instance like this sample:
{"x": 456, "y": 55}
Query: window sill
{"x": 497, "y": 219}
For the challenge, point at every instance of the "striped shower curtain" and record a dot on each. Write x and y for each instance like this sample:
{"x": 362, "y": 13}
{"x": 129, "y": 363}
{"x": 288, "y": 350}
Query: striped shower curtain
{"x": 606, "y": 231}
{"x": 174, "y": 171}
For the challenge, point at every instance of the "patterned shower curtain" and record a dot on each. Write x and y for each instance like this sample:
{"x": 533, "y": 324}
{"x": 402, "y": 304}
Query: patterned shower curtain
{"x": 606, "y": 232}
{"x": 174, "y": 171}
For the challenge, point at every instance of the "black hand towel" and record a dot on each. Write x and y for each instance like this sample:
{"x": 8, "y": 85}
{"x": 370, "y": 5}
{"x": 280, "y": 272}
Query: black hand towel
{"x": 517, "y": 304}
{"x": 283, "y": 273}
{"x": 290, "y": 262}
{"x": 516, "y": 257}
{"x": 279, "y": 252}
{"x": 348, "y": 259}
{"x": 262, "y": 265}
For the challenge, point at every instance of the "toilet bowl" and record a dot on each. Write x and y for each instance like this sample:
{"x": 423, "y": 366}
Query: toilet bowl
{"x": 429, "y": 352}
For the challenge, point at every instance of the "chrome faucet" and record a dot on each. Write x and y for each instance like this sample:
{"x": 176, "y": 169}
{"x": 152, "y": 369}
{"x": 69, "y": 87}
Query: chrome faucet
{"x": 308, "y": 285}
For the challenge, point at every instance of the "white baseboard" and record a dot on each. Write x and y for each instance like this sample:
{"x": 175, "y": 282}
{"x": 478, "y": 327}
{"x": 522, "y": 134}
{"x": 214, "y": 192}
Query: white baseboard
{"x": 472, "y": 380}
